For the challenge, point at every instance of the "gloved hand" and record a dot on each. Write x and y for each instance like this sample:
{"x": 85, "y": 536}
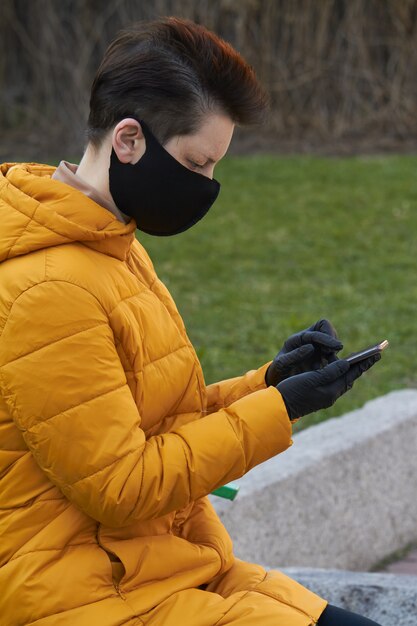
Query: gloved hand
{"x": 311, "y": 391}
{"x": 310, "y": 349}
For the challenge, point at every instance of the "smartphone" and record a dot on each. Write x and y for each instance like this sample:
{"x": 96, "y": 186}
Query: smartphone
{"x": 364, "y": 354}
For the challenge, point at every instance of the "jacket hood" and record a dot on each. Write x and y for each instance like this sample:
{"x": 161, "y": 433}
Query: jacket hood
{"x": 37, "y": 212}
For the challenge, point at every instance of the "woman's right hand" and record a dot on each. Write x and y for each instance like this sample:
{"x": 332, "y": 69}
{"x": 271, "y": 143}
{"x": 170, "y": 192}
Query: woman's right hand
{"x": 311, "y": 391}
{"x": 309, "y": 349}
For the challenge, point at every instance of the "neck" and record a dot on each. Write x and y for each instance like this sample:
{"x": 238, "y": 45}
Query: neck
{"x": 94, "y": 170}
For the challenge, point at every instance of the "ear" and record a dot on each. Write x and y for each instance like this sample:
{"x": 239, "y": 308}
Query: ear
{"x": 128, "y": 141}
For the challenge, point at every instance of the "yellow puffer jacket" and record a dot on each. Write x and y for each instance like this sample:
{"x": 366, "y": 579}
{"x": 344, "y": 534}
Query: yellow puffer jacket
{"x": 109, "y": 438}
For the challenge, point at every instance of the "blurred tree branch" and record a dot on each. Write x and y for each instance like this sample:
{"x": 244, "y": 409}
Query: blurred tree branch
{"x": 334, "y": 68}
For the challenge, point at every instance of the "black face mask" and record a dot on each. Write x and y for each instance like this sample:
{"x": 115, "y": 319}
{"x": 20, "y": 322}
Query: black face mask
{"x": 163, "y": 196}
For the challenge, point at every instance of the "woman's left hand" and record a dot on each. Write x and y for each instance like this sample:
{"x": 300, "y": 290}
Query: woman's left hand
{"x": 308, "y": 350}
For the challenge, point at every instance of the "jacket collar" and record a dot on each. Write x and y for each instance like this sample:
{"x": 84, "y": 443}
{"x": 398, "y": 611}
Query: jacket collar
{"x": 37, "y": 212}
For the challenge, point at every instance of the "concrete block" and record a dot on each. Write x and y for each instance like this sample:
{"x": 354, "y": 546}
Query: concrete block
{"x": 343, "y": 496}
{"x": 388, "y": 599}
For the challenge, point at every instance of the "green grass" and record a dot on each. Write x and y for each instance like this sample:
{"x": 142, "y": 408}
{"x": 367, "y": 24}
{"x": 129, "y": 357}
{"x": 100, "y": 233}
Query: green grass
{"x": 398, "y": 555}
{"x": 291, "y": 240}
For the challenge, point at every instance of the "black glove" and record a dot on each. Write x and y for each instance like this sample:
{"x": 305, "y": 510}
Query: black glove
{"x": 311, "y": 391}
{"x": 310, "y": 349}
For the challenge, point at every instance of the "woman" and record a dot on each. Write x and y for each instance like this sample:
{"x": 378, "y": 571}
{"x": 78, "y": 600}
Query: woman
{"x": 110, "y": 440}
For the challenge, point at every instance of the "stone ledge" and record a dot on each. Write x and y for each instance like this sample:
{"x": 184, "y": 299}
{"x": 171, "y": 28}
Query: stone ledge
{"x": 343, "y": 496}
{"x": 388, "y": 599}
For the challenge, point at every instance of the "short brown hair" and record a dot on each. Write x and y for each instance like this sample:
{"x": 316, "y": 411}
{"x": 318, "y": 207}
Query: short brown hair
{"x": 169, "y": 73}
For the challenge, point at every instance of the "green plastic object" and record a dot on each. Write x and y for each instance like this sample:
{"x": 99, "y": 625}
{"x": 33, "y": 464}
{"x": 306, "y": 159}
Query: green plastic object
{"x": 228, "y": 491}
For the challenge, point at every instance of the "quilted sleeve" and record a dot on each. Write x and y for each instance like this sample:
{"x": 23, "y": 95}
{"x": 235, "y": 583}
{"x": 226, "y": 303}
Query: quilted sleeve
{"x": 66, "y": 390}
{"x": 221, "y": 394}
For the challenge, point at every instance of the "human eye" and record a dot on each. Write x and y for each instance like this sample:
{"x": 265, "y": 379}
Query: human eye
{"x": 194, "y": 165}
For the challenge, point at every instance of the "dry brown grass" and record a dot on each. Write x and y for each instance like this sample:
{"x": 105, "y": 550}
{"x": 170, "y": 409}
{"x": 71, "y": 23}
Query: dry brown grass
{"x": 337, "y": 70}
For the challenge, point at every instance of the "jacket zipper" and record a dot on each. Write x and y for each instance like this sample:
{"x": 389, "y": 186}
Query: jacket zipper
{"x": 115, "y": 585}
{"x": 120, "y": 593}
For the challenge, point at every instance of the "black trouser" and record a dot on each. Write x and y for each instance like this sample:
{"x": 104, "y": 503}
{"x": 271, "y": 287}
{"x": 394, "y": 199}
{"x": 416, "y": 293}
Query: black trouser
{"x": 333, "y": 616}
